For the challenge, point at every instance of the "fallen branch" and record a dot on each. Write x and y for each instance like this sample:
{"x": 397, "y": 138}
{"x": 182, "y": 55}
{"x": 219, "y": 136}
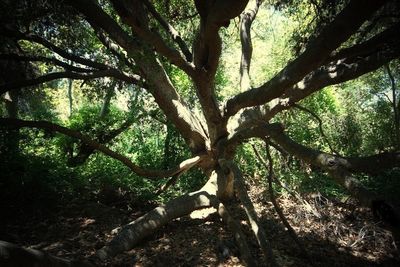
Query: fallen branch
{"x": 185, "y": 165}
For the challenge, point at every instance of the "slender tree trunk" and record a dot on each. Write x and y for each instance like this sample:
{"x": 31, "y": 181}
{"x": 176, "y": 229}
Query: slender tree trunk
{"x": 395, "y": 105}
{"x": 12, "y": 137}
{"x": 70, "y": 96}
{"x": 105, "y": 108}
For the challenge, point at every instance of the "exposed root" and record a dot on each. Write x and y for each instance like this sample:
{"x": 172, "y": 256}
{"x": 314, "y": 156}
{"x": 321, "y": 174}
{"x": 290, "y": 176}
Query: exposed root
{"x": 251, "y": 213}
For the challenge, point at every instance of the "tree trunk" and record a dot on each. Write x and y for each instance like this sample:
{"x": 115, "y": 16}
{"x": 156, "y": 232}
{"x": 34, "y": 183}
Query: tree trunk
{"x": 12, "y": 136}
{"x": 396, "y": 108}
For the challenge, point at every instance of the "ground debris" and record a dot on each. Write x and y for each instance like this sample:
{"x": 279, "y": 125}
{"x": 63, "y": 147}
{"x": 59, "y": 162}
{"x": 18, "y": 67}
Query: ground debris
{"x": 333, "y": 234}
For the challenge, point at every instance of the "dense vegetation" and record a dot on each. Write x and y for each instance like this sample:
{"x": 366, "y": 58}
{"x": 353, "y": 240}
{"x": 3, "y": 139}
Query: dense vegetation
{"x": 129, "y": 102}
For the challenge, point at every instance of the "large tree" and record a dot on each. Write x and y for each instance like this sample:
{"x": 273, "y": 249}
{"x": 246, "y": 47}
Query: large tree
{"x": 139, "y": 40}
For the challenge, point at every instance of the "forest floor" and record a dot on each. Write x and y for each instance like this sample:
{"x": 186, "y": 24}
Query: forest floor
{"x": 332, "y": 232}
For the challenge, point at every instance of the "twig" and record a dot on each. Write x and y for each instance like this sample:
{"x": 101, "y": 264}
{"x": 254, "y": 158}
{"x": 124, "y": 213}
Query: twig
{"x": 284, "y": 186}
{"x": 319, "y": 126}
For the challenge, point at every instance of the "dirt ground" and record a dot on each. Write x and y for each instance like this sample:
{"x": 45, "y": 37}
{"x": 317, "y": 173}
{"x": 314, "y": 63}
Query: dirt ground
{"x": 333, "y": 233}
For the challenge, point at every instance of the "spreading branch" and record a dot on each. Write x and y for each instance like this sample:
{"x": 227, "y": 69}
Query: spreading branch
{"x": 246, "y": 19}
{"x": 160, "y": 85}
{"x": 52, "y": 60}
{"x": 134, "y": 15}
{"x": 339, "y": 168}
{"x": 185, "y": 165}
{"x": 318, "y": 50}
{"x": 61, "y": 52}
{"x": 334, "y": 72}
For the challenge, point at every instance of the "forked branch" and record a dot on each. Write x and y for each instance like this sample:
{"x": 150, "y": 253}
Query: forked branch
{"x": 318, "y": 50}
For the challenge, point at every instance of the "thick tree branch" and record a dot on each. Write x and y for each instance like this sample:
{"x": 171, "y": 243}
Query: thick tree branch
{"x": 335, "y": 72}
{"x": 317, "y": 51}
{"x": 144, "y": 226}
{"x": 115, "y": 49}
{"x": 16, "y": 123}
{"x": 371, "y": 164}
{"x": 246, "y": 19}
{"x": 95, "y": 15}
{"x": 376, "y": 43}
{"x": 339, "y": 168}
{"x": 207, "y": 49}
{"x": 134, "y": 15}
{"x": 160, "y": 85}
